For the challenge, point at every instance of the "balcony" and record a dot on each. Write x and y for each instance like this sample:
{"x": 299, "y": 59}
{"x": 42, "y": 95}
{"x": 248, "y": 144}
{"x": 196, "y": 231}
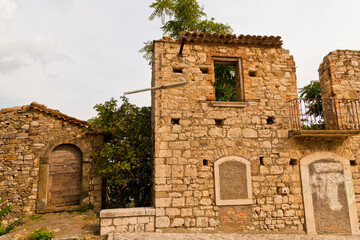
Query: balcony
{"x": 324, "y": 117}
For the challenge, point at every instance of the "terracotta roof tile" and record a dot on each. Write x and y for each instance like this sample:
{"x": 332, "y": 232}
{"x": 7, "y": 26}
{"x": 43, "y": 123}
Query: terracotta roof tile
{"x": 245, "y": 40}
{"x": 44, "y": 109}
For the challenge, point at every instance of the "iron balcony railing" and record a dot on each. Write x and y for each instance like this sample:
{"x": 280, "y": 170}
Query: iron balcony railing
{"x": 324, "y": 114}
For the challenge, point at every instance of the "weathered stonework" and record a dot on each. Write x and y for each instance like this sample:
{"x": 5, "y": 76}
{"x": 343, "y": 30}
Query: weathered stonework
{"x": 255, "y": 129}
{"x": 28, "y": 136}
{"x": 124, "y": 220}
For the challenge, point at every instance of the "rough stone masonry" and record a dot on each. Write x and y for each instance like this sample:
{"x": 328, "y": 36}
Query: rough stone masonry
{"x": 233, "y": 165}
{"x": 45, "y": 162}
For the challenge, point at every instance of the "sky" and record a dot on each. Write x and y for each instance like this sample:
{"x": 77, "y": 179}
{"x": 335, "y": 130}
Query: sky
{"x": 73, "y": 54}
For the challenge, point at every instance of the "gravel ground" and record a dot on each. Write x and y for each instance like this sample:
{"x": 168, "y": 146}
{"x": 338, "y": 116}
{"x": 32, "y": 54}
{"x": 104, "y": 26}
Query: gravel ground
{"x": 66, "y": 225}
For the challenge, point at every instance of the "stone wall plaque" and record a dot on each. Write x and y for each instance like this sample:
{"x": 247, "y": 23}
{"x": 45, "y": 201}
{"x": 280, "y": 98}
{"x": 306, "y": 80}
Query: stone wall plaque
{"x": 232, "y": 181}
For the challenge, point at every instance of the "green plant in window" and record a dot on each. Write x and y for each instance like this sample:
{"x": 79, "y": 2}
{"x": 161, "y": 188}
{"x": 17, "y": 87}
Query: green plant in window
{"x": 225, "y": 83}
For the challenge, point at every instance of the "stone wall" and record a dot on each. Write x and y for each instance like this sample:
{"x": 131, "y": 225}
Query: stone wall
{"x": 192, "y": 132}
{"x": 340, "y": 74}
{"x": 28, "y": 135}
{"x": 122, "y": 220}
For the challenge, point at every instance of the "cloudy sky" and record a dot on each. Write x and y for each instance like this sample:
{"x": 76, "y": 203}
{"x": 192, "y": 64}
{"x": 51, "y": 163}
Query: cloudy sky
{"x": 73, "y": 54}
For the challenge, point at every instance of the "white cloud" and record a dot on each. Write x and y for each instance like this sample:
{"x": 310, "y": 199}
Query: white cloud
{"x": 17, "y": 53}
{"x": 7, "y": 13}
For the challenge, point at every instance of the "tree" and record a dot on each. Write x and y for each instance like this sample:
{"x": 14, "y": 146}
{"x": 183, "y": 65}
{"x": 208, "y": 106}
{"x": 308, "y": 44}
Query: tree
{"x": 124, "y": 161}
{"x": 178, "y": 16}
{"x": 312, "y": 98}
{"x": 125, "y": 158}
{"x": 310, "y": 91}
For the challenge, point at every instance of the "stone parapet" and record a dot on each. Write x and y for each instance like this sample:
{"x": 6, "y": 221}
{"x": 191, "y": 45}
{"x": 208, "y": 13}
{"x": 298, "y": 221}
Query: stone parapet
{"x": 121, "y": 220}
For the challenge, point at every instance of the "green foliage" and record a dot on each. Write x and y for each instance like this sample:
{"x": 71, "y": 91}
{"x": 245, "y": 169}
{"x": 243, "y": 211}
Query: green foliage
{"x": 225, "y": 83}
{"x": 3, "y": 212}
{"x": 41, "y": 234}
{"x": 312, "y": 91}
{"x": 178, "y": 16}
{"x": 36, "y": 217}
{"x": 125, "y": 159}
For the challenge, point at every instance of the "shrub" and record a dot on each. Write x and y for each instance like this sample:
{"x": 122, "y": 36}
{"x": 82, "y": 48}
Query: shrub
{"x": 4, "y": 211}
{"x": 41, "y": 234}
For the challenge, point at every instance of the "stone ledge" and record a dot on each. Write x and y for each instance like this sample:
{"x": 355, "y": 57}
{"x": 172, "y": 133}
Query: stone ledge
{"x": 323, "y": 133}
{"x": 228, "y": 104}
{"x": 127, "y": 212}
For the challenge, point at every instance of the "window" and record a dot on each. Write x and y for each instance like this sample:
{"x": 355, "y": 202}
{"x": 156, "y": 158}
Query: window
{"x": 228, "y": 83}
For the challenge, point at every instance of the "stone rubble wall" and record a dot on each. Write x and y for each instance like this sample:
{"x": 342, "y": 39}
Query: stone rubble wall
{"x": 184, "y": 193}
{"x": 340, "y": 74}
{"x": 340, "y": 78}
{"x": 123, "y": 220}
{"x": 24, "y": 135}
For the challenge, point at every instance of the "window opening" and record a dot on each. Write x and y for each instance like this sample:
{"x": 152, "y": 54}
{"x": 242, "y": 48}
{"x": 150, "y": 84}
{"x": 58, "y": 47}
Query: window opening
{"x": 228, "y": 79}
{"x": 261, "y": 160}
{"x": 175, "y": 121}
{"x": 205, "y": 162}
{"x": 204, "y": 70}
{"x": 252, "y": 73}
{"x": 177, "y": 70}
{"x": 219, "y": 122}
{"x": 270, "y": 120}
{"x": 293, "y": 162}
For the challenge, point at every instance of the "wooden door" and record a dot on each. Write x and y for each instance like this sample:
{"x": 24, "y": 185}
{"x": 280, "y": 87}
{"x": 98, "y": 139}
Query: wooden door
{"x": 64, "y": 185}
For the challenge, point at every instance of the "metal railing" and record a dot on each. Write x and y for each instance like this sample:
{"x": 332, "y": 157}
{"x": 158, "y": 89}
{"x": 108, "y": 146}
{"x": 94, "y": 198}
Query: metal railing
{"x": 324, "y": 114}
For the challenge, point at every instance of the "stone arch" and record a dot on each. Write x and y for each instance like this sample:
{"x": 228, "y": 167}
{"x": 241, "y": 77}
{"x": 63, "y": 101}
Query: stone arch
{"x": 327, "y": 176}
{"x": 235, "y": 173}
{"x": 43, "y": 182}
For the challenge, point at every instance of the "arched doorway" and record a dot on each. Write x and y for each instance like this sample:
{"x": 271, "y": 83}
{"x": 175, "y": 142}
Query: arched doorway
{"x": 328, "y": 192}
{"x": 64, "y": 184}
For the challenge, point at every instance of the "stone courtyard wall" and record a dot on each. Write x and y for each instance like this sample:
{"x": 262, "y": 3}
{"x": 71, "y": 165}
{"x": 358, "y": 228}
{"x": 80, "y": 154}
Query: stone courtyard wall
{"x": 26, "y": 134}
{"x": 191, "y": 132}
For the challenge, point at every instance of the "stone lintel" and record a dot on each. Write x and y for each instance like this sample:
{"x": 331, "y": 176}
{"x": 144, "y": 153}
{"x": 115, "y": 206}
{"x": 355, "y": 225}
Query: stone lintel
{"x": 228, "y": 104}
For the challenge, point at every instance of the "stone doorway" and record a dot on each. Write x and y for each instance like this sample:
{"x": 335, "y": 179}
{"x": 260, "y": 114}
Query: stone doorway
{"x": 64, "y": 184}
{"x": 328, "y": 192}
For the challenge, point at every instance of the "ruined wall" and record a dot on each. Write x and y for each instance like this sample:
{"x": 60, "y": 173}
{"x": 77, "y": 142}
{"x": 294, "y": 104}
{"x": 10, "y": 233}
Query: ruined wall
{"x": 255, "y": 130}
{"x": 27, "y": 135}
{"x": 191, "y": 133}
{"x": 340, "y": 74}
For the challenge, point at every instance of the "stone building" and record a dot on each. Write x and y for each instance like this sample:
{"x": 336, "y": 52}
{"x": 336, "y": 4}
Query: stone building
{"x": 45, "y": 162}
{"x": 255, "y": 163}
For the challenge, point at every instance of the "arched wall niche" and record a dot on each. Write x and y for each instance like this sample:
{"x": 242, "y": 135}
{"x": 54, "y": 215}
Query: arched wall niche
{"x": 232, "y": 181}
{"x": 328, "y": 192}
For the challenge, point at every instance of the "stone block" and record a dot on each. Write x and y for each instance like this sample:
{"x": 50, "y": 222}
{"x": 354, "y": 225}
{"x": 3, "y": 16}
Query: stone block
{"x": 105, "y": 222}
{"x": 177, "y": 222}
{"x": 249, "y": 133}
{"x": 162, "y": 202}
{"x": 178, "y": 202}
{"x": 106, "y": 230}
{"x": 202, "y": 222}
{"x": 117, "y": 221}
{"x": 150, "y": 227}
{"x": 129, "y": 221}
{"x": 162, "y": 222}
